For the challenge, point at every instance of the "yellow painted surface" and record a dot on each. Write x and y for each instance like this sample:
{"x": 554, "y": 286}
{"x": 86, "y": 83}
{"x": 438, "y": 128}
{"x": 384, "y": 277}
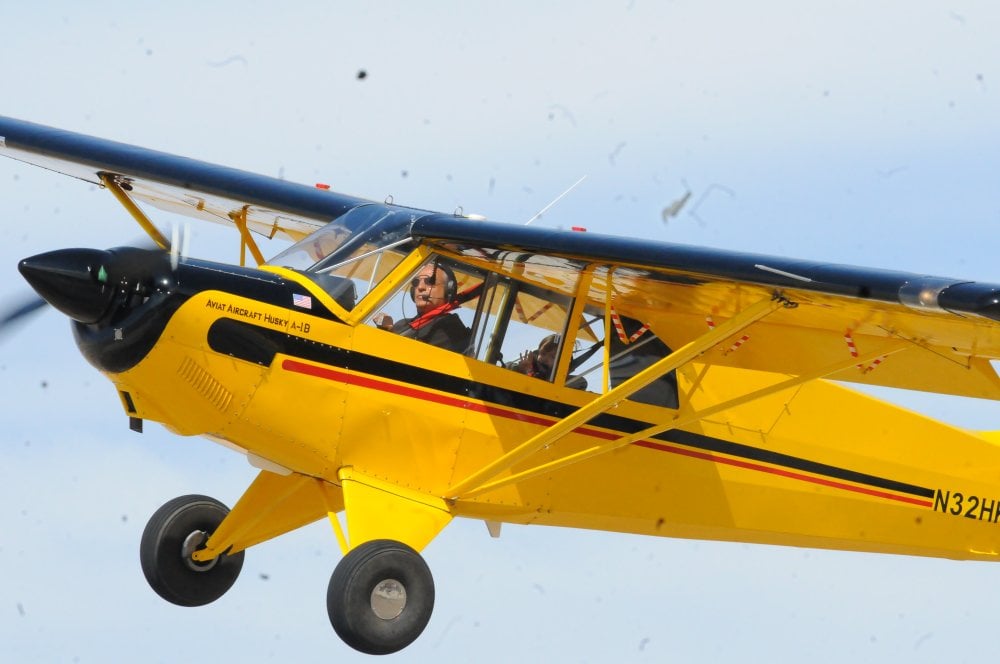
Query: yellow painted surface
{"x": 816, "y": 465}
{"x": 273, "y": 505}
{"x": 385, "y": 510}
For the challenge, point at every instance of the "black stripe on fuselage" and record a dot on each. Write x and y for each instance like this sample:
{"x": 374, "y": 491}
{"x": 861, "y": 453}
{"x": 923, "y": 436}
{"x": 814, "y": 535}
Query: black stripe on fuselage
{"x": 258, "y": 344}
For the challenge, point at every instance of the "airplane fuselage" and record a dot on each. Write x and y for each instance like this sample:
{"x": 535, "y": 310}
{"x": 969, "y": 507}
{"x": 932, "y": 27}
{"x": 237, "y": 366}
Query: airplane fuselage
{"x": 225, "y": 353}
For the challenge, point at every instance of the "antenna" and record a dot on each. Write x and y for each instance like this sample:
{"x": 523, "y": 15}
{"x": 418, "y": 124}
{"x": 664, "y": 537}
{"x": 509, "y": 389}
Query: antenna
{"x": 556, "y": 200}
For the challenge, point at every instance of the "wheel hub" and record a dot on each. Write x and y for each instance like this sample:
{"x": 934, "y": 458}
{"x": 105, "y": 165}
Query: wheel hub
{"x": 192, "y": 543}
{"x": 388, "y": 599}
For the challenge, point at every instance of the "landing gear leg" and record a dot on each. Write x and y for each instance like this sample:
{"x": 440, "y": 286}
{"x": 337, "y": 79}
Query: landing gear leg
{"x": 380, "y": 597}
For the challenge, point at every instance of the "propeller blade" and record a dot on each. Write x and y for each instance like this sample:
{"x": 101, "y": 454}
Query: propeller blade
{"x": 14, "y": 314}
{"x": 180, "y": 237}
{"x": 174, "y": 247}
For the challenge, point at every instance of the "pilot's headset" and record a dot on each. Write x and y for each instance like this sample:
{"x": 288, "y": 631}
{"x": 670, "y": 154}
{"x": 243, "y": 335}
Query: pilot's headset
{"x": 450, "y": 286}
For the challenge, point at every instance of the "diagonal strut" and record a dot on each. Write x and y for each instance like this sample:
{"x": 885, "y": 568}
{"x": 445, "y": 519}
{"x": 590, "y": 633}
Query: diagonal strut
{"x": 674, "y": 360}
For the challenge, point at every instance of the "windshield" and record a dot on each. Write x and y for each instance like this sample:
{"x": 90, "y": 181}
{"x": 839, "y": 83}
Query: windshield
{"x": 352, "y": 253}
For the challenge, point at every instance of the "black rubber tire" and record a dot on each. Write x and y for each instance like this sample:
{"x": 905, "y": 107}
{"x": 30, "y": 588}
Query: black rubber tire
{"x": 349, "y": 597}
{"x": 181, "y": 581}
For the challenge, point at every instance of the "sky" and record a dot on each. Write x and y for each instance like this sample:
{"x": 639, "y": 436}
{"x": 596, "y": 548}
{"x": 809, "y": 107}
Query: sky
{"x": 846, "y": 132}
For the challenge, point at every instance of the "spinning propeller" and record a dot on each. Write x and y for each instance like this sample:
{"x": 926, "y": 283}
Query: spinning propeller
{"x": 27, "y": 305}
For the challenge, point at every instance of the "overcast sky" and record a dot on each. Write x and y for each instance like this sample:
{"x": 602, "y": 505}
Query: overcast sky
{"x": 850, "y": 132}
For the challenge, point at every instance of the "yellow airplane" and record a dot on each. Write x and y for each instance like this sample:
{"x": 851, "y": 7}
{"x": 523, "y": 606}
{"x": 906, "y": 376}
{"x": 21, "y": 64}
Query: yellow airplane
{"x": 395, "y": 368}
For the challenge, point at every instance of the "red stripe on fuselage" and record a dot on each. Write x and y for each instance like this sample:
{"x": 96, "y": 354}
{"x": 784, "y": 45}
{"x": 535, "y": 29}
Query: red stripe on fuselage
{"x": 791, "y": 474}
{"x": 417, "y": 393}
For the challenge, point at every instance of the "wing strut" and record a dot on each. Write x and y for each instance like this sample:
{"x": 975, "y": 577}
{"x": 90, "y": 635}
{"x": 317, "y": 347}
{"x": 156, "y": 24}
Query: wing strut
{"x": 115, "y": 188}
{"x": 681, "y": 420}
{"x": 676, "y": 359}
{"x": 246, "y": 240}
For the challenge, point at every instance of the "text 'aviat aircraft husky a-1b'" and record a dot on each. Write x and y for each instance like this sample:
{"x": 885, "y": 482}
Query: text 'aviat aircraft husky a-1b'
{"x": 456, "y": 367}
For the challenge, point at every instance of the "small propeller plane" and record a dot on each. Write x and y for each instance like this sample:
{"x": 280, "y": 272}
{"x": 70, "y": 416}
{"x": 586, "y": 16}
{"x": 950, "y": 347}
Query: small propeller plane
{"x": 391, "y": 369}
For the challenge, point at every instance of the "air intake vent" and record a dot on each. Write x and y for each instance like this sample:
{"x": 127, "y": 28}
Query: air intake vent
{"x": 205, "y": 384}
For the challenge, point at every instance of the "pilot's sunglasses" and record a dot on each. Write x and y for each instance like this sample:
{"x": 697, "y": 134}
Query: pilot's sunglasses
{"x": 427, "y": 280}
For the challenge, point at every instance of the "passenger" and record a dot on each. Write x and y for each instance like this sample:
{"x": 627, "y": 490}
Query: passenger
{"x": 433, "y": 290}
{"x": 541, "y": 362}
{"x": 538, "y": 363}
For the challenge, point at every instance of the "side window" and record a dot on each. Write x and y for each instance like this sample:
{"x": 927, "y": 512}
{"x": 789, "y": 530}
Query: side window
{"x": 633, "y": 347}
{"x": 436, "y": 305}
{"x": 520, "y": 327}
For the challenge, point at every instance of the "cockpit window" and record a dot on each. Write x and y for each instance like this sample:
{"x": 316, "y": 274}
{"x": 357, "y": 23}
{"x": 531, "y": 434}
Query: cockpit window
{"x": 435, "y": 305}
{"x": 352, "y": 253}
{"x": 520, "y": 327}
{"x": 633, "y": 346}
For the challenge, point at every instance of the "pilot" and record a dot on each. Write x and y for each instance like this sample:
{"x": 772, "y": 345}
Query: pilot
{"x": 433, "y": 290}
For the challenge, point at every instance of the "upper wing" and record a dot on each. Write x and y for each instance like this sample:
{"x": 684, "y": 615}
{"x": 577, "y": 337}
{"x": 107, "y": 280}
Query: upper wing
{"x": 937, "y": 335}
{"x": 185, "y": 186}
{"x": 948, "y": 328}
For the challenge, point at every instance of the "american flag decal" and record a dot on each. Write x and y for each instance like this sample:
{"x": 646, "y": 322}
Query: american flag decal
{"x": 303, "y": 301}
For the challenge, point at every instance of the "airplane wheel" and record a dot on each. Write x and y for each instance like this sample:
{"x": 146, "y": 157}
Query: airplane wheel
{"x": 173, "y": 533}
{"x": 380, "y": 597}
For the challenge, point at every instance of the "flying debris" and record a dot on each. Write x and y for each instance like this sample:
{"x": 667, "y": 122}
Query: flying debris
{"x": 674, "y": 208}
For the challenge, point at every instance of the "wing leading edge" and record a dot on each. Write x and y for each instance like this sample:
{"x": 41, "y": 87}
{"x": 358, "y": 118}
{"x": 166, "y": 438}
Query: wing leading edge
{"x": 949, "y": 326}
{"x": 912, "y": 290}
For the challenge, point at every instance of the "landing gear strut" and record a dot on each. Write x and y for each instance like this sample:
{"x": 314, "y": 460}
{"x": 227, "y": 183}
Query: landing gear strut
{"x": 173, "y": 533}
{"x": 380, "y": 597}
